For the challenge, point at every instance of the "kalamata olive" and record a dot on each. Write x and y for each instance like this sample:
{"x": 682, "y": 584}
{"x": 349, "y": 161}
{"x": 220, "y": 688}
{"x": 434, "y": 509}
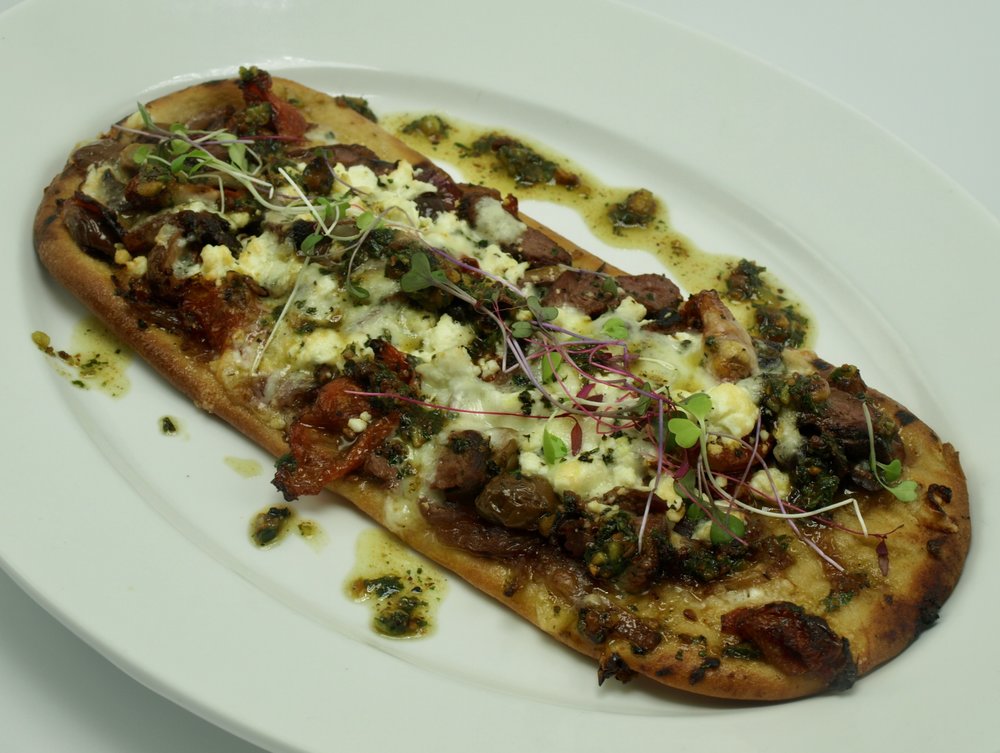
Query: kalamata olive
{"x": 516, "y": 501}
{"x": 91, "y": 226}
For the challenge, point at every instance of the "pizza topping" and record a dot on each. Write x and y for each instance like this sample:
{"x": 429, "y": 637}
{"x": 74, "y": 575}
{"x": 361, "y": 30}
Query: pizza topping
{"x": 282, "y": 117}
{"x": 538, "y": 250}
{"x": 794, "y": 642}
{"x": 324, "y": 443}
{"x": 463, "y": 466}
{"x": 92, "y": 225}
{"x": 345, "y": 233}
{"x": 633, "y": 460}
{"x": 601, "y": 622}
{"x": 462, "y": 528}
{"x": 729, "y": 350}
{"x": 516, "y": 501}
{"x": 657, "y": 293}
{"x": 586, "y": 292}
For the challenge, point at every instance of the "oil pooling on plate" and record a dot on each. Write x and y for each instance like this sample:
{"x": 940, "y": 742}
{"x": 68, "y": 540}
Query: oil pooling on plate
{"x": 402, "y": 589}
{"x": 274, "y": 523}
{"x": 626, "y": 218}
{"x": 95, "y": 359}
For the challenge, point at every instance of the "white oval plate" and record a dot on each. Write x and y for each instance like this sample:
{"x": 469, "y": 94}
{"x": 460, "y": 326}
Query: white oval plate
{"x": 138, "y": 541}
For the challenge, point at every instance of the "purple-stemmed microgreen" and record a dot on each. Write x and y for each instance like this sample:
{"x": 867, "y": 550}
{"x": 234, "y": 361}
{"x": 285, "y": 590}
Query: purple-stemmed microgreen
{"x": 547, "y": 353}
{"x": 185, "y": 154}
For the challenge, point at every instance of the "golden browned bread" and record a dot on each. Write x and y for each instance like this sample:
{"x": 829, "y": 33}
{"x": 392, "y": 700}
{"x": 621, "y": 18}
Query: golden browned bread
{"x": 768, "y": 608}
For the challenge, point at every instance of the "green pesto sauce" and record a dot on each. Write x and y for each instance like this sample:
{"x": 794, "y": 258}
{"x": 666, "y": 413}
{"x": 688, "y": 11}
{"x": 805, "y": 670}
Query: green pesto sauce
{"x": 626, "y": 218}
{"x": 275, "y": 523}
{"x": 95, "y": 359}
{"x": 401, "y": 588}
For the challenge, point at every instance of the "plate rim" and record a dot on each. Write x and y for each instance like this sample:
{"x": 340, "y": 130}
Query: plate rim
{"x": 135, "y": 666}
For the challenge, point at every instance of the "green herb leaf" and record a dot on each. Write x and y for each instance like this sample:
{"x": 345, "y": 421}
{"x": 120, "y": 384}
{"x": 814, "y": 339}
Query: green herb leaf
{"x": 891, "y": 471}
{"x": 520, "y": 330}
{"x": 615, "y": 328}
{"x": 609, "y": 285}
{"x": 331, "y": 211}
{"x": 727, "y": 528}
{"x": 147, "y": 120}
{"x": 686, "y": 432}
{"x": 698, "y": 405}
{"x": 694, "y": 511}
{"x": 551, "y": 362}
{"x": 177, "y": 165}
{"x": 238, "y": 155}
{"x": 887, "y": 473}
{"x": 357, "y": 292}
{"x": 419, "y": 276}
{"x": 326, "y": 206}
{"x": 553, "y": 448}
{"x": 366, "y": 220}
{"x": 905, "y": 491}
{"x": 310, "y": 241}
{"x": 642, "y": 406}
{"x": 687, "y": 488}
{"x": 141, "y": 153}
{"x": 179, "y": 146}
{"x": 542, "y": 313}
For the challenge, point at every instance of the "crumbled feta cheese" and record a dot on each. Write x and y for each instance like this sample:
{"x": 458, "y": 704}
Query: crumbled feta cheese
{"x": 770, "y": 482}
{"x": 360, "y": 177}
{"x": 733, "y": 410}
{"x": 501, "y": 264}
{"x": 136, "y": 266}
{"x": 497, "y": 224}
{"x": 216, "y": 261}
{"x": 447, "y": 333}
{"x": 629, "y": 310}
{"x": 270, "y": 262}
{"x": 788, "y": 440}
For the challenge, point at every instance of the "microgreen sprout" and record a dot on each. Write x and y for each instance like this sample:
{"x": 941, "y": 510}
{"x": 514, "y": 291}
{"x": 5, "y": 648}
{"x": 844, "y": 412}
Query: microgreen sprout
{"x": 685, "y": 432}
{"x": 726, "y": 529}
{"x": 554, "y": 448}
{"x": 551, "y": 361}
{"x": 887, "y": 474}
{"x": 615, "y": 328}
{"x": 521, "y": 329}
{"x": 421, "y": 275}
{"x": 690, "y": 430}
{"x": 542, "y": 313}
{"x": 555, "y": 361}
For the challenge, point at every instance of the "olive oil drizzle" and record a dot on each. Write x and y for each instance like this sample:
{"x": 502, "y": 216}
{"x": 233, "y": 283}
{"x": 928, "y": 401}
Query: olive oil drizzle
{"x": 95, "y": 358}
{"x": 402, "y": 589}
{"x": 602, "y": 207}
{"x": 272, "y": 525}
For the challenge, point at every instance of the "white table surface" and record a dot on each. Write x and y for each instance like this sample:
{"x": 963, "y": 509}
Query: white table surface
{"x": 927, "y": 71}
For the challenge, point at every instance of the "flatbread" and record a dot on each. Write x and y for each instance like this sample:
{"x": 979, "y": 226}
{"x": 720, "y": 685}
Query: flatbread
{"x": 811, "y": 608}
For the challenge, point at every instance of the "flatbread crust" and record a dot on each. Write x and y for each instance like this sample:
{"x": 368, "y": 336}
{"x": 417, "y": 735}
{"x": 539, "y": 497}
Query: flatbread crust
{"x": 928, "y": 545}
